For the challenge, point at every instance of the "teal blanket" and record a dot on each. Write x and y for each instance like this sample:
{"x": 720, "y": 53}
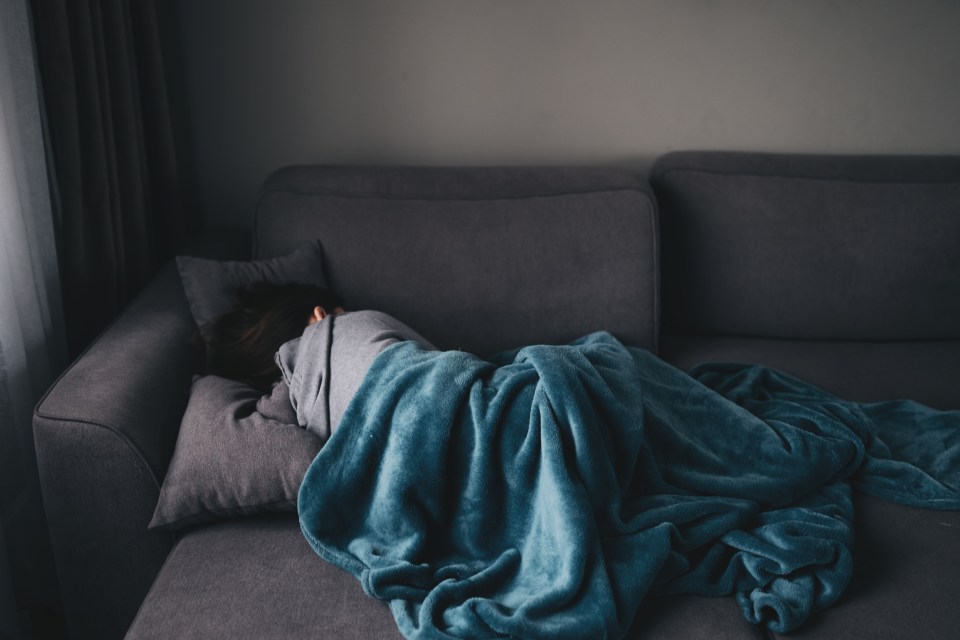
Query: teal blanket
{"x": 545, "y": 493}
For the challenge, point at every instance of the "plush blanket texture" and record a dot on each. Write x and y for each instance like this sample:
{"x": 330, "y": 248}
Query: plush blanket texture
{"x": 544, "y": 493}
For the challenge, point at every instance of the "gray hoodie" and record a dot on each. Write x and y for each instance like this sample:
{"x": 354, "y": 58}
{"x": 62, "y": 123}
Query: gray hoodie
{"x": 324, "y": 367}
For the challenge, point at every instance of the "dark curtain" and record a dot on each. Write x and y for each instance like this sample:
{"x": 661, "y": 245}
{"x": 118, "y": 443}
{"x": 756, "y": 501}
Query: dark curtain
{"x": 115, "y": 134}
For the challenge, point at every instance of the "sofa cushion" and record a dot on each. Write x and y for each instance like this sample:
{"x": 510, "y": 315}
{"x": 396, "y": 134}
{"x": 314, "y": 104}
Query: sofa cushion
{"x": 906, "y": 577}
{"x": 257, "y": 578}
{"x": 811, "y": 247}
{"x": 211, "y": 285}
{"x": 239, "y": 452}
{"x": 925, "y": 371}
{"x": 906, "y": 560}
{"x": 478, "y": 259}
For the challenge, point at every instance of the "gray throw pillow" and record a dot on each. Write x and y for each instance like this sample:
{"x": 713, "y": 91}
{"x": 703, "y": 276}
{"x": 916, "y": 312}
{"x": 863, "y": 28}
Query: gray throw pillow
{"x": 238, "y": 453}
{"x": 211, "y": 285}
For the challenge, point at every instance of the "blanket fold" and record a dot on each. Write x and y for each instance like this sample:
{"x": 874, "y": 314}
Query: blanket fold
{"x": 546, "y": 492}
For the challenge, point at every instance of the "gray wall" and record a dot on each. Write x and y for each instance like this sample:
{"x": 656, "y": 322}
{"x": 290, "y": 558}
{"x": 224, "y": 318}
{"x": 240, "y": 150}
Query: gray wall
{"x": 601, "y": 82}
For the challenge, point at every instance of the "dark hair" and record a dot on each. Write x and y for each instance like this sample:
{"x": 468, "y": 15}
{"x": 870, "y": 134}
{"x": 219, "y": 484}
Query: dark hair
{"x": 241, "y": 343}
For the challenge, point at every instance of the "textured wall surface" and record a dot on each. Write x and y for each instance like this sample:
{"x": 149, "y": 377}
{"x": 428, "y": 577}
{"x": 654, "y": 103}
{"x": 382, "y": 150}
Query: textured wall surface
{"x": 600, "y": 82}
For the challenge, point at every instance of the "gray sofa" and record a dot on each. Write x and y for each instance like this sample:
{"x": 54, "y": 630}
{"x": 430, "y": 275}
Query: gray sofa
{"x": 845, "y": 271}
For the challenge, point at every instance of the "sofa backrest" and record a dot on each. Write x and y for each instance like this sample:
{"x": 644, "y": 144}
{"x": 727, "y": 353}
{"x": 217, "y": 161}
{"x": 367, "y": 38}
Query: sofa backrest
{"x": 843, "y": 270}
{"x": 813, "y": 247}
{"x": 479, "y": 259}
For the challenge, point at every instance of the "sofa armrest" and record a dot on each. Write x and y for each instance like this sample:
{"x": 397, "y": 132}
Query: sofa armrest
{"x": 105, "y": 432}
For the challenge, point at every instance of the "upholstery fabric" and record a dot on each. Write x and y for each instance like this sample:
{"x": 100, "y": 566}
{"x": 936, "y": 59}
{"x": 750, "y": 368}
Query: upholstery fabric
{"x": 814, "y": 247}
{"x": 136, "y": 354}
{"x": 905, "y": 581}
{"x": 459, "y": 245}
{"x": 925, "y": 371}
{"x": 104, "y": 435}
{"x": 136, "y": 378}
{"x": 693, "y": 618}
{"x": 271, "y": 568}
{"x": 211, "y": 285}
{"x": 844, "y": 271}
{"x": 590, "y": 474}
{"x": 238, "y": 453}
{"x": 478, "y": 259}
{"x": 256, "y": 579}
{"x": 98, "y": 496}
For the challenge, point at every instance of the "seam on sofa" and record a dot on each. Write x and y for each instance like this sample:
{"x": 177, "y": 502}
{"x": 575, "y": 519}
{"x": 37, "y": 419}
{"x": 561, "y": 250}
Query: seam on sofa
{"x": 137, "y": 454}
{"x": 146, "y": 598}
{"x": 38, "y": 407}
{"x": 225, "y": 514}
{"x": 639, "y": 190}
{"x": 38, "y": 411}
{"x": 441, "y": 198}
{"x": 900, "y": 168}
{"x": 655, "y": 271}
{"x": 750, "y": 174}
{"x": 651, "y": 200}
{"x": 744, "y": 336}
{"x": 629, "y": 178}
{"x": 96, "y": 340}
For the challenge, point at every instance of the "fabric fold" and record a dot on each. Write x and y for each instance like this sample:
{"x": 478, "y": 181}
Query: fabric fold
{"x": 546, "y": 492}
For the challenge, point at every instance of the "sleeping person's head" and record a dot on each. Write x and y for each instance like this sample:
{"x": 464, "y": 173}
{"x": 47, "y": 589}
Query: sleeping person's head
{"x": 242, "y": 342}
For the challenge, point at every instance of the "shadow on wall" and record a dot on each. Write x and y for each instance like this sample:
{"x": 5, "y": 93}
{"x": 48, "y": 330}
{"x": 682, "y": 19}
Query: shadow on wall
{"x": 433, "y": 82}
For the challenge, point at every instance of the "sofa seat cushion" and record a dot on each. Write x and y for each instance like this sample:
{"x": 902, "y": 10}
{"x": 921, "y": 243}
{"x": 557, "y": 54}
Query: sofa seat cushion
{"x": 906, "y": 561}
{"x": 906, "y": 577}
{"x": 925, "y": 371}
{"x": 257, "y": 578}
{"x": 692, "y": 618}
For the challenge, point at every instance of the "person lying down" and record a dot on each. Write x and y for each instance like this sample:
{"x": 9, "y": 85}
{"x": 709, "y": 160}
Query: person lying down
{"x": 546, "y": 491}
{"x": 302, "y": 333}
